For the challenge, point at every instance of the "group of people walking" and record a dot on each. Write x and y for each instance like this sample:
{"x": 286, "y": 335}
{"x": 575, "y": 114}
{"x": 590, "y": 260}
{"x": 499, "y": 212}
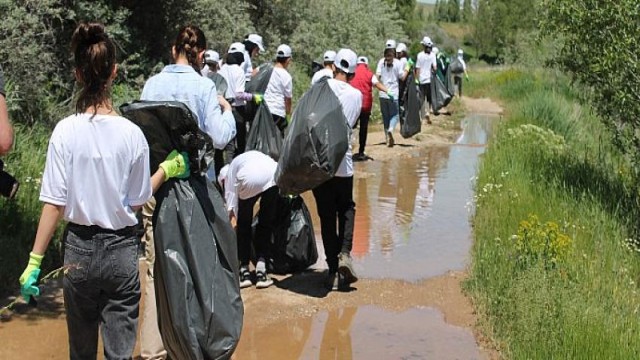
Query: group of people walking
{"x": 97, "y": 174}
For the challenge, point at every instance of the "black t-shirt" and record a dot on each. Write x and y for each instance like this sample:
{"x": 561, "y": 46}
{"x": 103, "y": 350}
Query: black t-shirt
{"x": 2, "y": 83}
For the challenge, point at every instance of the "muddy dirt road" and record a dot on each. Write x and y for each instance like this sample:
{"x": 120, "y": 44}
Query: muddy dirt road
{"x": 411, "y": 248}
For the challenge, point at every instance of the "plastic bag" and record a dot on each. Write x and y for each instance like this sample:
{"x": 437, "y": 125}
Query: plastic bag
{"x": 264, "y": 135}
{"x": 410, "y": 123}
{"x": 316, "y": 142}
{"x": 456, "y": 67}
{"x": 293, "y": 245}
{"x": 257, "y": 85}
{"x": 440, "y": 95}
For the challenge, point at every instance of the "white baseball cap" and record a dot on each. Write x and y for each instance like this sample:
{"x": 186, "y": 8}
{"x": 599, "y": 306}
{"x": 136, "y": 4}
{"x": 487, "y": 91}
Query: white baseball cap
{"x": 391, "y": 44}
{"x": 236, "y": 48}
{"x": 329, "y": 55}
{"x": 460, "y": 51}
{"x": 363, "y": 60}
{"x": 283, "y": 51}
{"x": 256, "y": 39}
{"x": 211, "y": 56}
{"x": 401, "y": 47}
{"x": 223, "y": 174}
{"x": 426, "y": 41}
{"x": 346, "y": 60}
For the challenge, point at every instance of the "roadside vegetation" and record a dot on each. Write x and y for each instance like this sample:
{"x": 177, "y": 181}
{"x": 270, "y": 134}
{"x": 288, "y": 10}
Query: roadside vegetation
{"x": 555, "y": 261}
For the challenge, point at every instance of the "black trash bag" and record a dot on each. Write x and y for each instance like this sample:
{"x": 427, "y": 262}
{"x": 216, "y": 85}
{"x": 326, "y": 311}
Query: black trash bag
{"x": 169, "y": 125}
{"x": 315, "y": 67}
{"x": 316, "y": 143}
{"x": 449, "y": 83}
{"x": 264, "y": 135}
{"x": 293, "y": 244}
{"x": 220, "y": 82}
{"x": 200, "y": 311}
{"x": 440, "y": 96}
{"x": 410, "y": 122}
{"x": 456, "y": 66}
{"x": 257, "y": 85}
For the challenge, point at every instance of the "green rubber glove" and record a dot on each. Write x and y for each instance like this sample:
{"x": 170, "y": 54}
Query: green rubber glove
{"x": 466, "y": 77}
{"x": 390, "y": 95}
{"x": 30, "y": 276}
{"x": 257, "y": 98}
{"x": 176, "y": 165}
{"x": 288, "y": 118}
{"x": 409, "y": 65}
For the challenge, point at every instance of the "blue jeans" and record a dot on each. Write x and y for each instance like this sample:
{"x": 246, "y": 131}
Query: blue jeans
{"x": 390, "y": 112}
{"x": 101, "y": 291}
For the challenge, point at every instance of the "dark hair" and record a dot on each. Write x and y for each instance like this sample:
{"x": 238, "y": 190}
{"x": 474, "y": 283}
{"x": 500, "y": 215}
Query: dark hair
{"x": 94, "y": 54}
{"x": 235, "y": 58}
{"x": 189, "y": 42}
{"x": 249, "y": 45}
{"x": 282, "y": 60}
{"x": 390, "y": 51}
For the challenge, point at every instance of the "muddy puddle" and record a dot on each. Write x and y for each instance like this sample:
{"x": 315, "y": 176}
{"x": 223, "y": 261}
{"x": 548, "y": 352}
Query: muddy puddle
{"x": 411, "y": 245}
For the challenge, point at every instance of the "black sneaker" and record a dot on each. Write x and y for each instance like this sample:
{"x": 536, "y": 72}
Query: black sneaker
{"x": 345, "y": 268}
{"x": 245, "y": 278}
{"x": 359, "y": 157}
{"x": 390, "y": 140}
{"x": 263, "y": 280}
{"x": 332, "y": 282}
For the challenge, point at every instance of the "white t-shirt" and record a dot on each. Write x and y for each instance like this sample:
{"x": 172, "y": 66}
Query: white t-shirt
{"x": 390, "y": 77}
{"x": 425, "y": 62}
{"x": 247, "y": 67}
{"x": 351, "y": 101}
{"x": 403, "y": 62}
{"x": 235, "y": 81}
{"x": 249, "y": 174}
{"x": 320, "y": 74}
{"x": 97, "y": 168}
{"x": 280, "y": 87}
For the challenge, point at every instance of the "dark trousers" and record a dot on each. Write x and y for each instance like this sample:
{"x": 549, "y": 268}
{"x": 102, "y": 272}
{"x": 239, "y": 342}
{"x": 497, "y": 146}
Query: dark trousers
{"x": 236, "y": 146}
{"x": 101, "y": 291}
{"x": 281, "y": 123}
{"x": 334, "y": 200}
{"x": 264, "y": 228}
{"x": 363, "y": 120}
{"x": 425, "y": 94}
{"x": 457, "y": 83}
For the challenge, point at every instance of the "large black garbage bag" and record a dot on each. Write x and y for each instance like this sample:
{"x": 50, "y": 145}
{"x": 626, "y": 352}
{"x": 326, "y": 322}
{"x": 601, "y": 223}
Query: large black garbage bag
{"x": 200, "y": 310}
{"x": 264, "y": 135}
{"x": 449, "y": 83}
{"x": 257, "y": 85}
{"x": 410, "y": 123}
{"x": 316, "y": 143}
{"x": 293, "y": 245}
{"x": 169, "y": 125}
{"x": 440, "y": 96}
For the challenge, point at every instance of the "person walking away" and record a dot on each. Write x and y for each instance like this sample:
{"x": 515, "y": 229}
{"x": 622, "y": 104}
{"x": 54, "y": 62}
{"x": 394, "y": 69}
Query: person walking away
{"x": 425, "y": 66}
{"x": 459, "y": 71}
{"x": 334, "y": 197}
{"x": 6, "y": 130}
{"x": 210, "y": 70}
{"x": 327, "y": 71}
{"x": 364, "y": 81}
{"x": 98, "y": 196}
{"x": 280, "y": 89}
{"x": 247, "y": 179}
{"x": 390, "y": 72}
{"x": 182, "y": 82}
{"x": 253, "y": 46}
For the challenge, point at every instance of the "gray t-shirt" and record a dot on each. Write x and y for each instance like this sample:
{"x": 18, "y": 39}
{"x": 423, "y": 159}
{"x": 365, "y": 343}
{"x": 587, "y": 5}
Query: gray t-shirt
{"x": 2, "y": 83}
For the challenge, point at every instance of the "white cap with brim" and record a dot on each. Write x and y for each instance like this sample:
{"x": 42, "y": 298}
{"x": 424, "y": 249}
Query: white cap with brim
{"x": 460, "y": 52}
{"x": 256, "y": 39}
{"x": 346, "y": 60}
{"x": 391, "y": 44}
{"x": 211, "y": 57}
{"x": 402, "y": 47}
{"x": 284, "y": 51}
{"x": 223, "y": 174}
{"x": 329, "y": 56}
{"x": 426, "y": 41}
{"x": 236, "y": 48}
{"x": 363, "y": 60}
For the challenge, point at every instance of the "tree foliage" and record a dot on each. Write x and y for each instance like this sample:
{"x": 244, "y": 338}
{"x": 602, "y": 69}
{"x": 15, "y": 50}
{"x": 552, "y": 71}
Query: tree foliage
{"x": 600, "y": 49}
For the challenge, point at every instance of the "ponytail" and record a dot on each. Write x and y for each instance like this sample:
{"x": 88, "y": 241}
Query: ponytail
{"x": 94, "y": 54}
{"x": 189, "y": 42}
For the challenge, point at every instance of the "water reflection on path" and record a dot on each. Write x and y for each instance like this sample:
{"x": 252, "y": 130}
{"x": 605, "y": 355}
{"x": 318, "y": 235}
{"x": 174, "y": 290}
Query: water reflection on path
{"x": 412, "y": 215}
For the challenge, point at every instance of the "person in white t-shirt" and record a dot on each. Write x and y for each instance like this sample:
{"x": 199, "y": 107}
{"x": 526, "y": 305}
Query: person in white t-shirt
{"x": 247, "y": 179}
{"x": 253, "y": 46}
{"x": 96, "y": 178}
{"x": 457, "y": 77}
{"x": 425, "y": 67}
{"x": 210, "y": 70}
{"x": 334, "y": 197}
{"x": 280, "y": 89}
{"x": 390, "y": 72}
{"x": 328, "y": 58}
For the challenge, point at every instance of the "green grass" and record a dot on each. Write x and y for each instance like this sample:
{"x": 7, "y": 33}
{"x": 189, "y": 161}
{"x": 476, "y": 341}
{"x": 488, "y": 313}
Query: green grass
{"x": 566, "y": 172}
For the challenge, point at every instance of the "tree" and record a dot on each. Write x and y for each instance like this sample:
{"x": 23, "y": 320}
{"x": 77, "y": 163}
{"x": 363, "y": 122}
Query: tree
{"x": 453, "y": 10}
{"x": 467, "y": 12}
{"x": 599, "y": 48}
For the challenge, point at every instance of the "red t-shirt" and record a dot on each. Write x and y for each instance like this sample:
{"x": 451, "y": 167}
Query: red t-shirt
{"x": 362, "y": 82}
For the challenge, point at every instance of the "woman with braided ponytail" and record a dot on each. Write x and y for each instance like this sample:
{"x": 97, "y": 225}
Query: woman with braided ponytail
{"x": 96, "y": 177}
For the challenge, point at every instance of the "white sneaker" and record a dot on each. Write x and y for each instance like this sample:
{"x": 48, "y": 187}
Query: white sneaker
{"x": 264, "y": 281}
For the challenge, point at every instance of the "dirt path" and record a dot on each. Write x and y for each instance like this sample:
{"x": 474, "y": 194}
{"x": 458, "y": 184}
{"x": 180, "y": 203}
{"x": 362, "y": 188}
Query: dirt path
{"x": 276, "y": 312}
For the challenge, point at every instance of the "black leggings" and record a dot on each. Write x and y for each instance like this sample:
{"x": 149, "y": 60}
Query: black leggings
{"x": 364, "y": 130}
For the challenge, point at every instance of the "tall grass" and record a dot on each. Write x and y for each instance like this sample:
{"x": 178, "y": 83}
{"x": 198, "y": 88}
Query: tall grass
{"x": 553, "y": 159}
